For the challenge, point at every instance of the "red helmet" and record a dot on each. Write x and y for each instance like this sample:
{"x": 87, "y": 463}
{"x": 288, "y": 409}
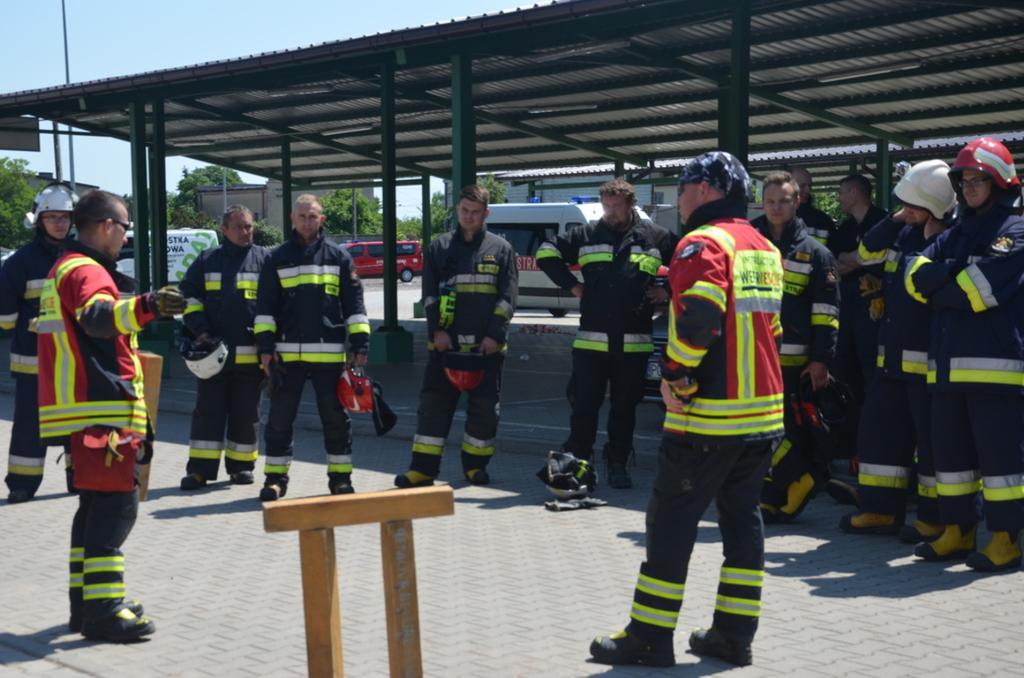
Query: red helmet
{"x": 355, "y": 391}
{"x": 989, "y": 156}
{"x": 465, "y": 371}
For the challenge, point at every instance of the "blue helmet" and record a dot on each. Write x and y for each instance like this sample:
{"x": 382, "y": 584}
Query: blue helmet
{"x": 722, "y": 171}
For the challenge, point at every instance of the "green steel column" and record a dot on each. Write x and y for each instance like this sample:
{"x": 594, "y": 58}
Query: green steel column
{"x": 463, "y": 124}
{"x": 883, "y": 189}
{"x": 427, "y": 226}
{"x": 158, "y": 186}
{"x": 389, "y": 176}
{"x": 140, "y": 195}
{"x": 531, "y": 190}
{"x": 620, "y": 169}
{"x": 286, "y": 187}
{"x": 738, "y": 95}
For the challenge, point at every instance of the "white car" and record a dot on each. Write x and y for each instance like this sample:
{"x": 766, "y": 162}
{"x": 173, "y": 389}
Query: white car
{"x": 183, "y": 246}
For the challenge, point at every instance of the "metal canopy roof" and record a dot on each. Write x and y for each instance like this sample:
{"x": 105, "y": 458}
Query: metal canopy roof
{"x": 582, "y": 82}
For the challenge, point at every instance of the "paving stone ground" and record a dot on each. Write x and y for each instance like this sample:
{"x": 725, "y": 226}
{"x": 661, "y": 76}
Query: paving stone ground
{"x": 505, "y": 587}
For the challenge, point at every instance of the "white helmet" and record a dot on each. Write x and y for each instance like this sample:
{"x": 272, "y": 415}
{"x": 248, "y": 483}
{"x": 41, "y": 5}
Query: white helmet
{"x": 53, "y": 198}
{"x": 926, "y": 185}
{"x": 204, "y": 360}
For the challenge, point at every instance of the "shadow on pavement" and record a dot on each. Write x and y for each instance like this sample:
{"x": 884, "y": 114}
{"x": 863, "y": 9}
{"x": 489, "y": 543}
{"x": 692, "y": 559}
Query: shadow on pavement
{"x": 245, "y": 504}
{"x": 702, "y": 667}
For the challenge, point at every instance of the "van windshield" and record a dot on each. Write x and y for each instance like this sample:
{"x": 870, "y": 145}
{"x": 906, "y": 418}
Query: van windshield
{"x": 524, "y": 238}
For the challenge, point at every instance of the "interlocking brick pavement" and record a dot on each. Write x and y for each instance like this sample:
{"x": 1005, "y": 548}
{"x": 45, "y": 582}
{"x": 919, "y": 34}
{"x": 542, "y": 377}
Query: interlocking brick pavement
{"x": 505, "y": 588}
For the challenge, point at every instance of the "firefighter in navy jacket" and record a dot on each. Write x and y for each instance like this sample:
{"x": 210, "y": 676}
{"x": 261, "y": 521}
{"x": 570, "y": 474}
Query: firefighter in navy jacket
{"x": 220, "y": 286}
{"x": 309, "y": 301}
{"x": 971, "y": 276}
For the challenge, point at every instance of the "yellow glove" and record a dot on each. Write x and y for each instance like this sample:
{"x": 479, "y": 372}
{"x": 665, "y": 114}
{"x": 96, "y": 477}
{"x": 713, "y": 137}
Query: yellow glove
{"x": 876, "y": 308}
{"x": 169, "y": 301}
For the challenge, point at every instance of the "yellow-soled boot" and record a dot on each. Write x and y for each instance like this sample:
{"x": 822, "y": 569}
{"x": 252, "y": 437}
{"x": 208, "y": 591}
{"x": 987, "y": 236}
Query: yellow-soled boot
{"x": 870, "y": 523}
{"x": 798, "y": 494}
{"x": 951, "y": 544}
{"x": 1001, "y": 554}
{"x": 921, "y": 531}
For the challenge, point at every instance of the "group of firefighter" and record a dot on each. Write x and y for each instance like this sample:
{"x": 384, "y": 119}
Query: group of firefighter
{"x": 779, "y": 332}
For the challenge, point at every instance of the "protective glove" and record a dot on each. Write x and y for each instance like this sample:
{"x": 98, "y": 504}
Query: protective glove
{"x": 876, "y": 308}
{"x": 169, "y": 301}
{"x": 870, "y": 285}
{"x": 930, "y": 278}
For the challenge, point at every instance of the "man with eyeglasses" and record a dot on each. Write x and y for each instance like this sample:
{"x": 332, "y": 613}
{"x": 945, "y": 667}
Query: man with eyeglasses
{"x": 971, "y": 278}
{"x": 21, "y": 284}
{"x": 91, "y": 390}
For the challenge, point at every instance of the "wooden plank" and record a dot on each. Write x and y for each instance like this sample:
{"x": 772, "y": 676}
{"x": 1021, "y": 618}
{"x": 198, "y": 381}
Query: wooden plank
{"x": 354, "y": 509}
{"x": 400, "y": 600}
{"x": 152, "y": 376}
{"x": 320, "y": 599}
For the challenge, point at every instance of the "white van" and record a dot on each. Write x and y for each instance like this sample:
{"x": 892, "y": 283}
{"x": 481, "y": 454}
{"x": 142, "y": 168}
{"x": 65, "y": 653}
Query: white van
{"x": 526, "y": 226}
{"x": 183, "y": 246}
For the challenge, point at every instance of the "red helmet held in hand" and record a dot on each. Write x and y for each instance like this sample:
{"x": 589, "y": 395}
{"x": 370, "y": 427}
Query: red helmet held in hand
{"x": 465, "y": 371}
{"x": 355, "y": 391}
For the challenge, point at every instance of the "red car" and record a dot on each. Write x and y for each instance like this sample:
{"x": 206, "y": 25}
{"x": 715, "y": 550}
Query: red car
{"x": 369, "y": 258}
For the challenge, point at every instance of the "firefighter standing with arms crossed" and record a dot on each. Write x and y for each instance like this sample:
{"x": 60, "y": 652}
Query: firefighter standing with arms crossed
{"x": 470, "y": 285}
{"x": 220, "y": 287}
{"x": 619, "y": 258}
{"x": 308, "y": 302}
{"x": 91, "y": 389}
{"x": 896, "y": 419}
{"x": 21, "y": 285}
{"x": 810, "y": 323}
{"x": 971, "y": 277}
{"x": 722, "y": 387}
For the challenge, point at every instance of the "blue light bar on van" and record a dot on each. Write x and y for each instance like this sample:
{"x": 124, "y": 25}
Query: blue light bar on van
{"x": 581, "y": 199}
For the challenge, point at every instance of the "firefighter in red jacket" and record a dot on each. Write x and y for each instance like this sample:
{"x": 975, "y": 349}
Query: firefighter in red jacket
{"x": 91, "y": 390}
{"x": 722, "y": 387}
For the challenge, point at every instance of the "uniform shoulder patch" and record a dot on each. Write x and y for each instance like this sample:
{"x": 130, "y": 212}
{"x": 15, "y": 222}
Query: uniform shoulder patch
{"x": 802, "y": 256}
{"x": 690, "y": 249}
{"x": 1001, "y": 245}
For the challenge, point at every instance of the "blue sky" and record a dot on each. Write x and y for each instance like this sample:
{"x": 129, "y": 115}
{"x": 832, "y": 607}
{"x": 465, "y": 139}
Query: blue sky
{"x": 109, "y": 38}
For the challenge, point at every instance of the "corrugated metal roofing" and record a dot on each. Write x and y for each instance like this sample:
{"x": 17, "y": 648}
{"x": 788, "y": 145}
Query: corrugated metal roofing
{"x": 634, "y": 77}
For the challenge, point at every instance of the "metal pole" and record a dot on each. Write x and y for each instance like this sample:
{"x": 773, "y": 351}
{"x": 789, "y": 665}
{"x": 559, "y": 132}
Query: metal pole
{"x": 158, "y": 186}
{"x": 463, "y": 124}
{"x": 427, "y": 226}
{"x": 388, "y": 193}
{"x": 355, "y": 225}
{"x": 67, "y": 81}
{"x": 883, "y": 180}
{"x": 57, "y": 170}
{"x": 739, "y": 81}
{"x": 286, "y": 187}
{"x": 224, "y": 187}
{"x": 620, "y": 169}
{"x": 140, "y": 194}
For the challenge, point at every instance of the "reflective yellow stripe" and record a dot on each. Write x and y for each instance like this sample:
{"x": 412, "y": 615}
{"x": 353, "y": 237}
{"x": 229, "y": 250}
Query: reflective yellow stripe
{"x": 866, "y": 256}
{"x": 475, "y": 288}
{"x": 824, "y": 320}
{"x": 310, "y": 279}
{"x": 719, "y": 235}
{"x": 596, "y": 258}
{"x": 548, "y": 251}
{"x": 359, "y": 328}
{"x": 781, "y": 451}
{"x": 20, "y": 470}
{"x": 908, "y": 277}
{"x": 660, "y": 588}
{"x": 653, "y": 616}
{"x": 709, "y": 291}
{"x": 646, "y": 263}
{"x": 741, "y": 577}
{"x": 741, "y": 606}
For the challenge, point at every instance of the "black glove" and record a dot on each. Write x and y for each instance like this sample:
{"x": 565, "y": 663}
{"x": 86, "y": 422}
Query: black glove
{"x": 169, "y": 301}
{"x": 275, "y": 380}
{"x": 931, "y": 277}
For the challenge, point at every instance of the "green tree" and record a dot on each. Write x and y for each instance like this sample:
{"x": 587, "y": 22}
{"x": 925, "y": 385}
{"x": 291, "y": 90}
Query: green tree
{"x": 439, "y": 214}
{"x": 201, "y": 176}
{"x": 15, "y": 200}
{"x": 267, "y": 235}
{"x": 338, "y": 210}
{"x": 497, "y": 189}
{"x": 829, "y": 204}
{"x": 188, "y": 216}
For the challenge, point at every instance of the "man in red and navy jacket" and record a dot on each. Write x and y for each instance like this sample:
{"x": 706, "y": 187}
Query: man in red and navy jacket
{"x": 722, "y": 387}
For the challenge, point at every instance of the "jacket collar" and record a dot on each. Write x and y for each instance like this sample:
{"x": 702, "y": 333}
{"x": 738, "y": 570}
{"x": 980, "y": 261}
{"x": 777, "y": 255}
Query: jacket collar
{"x": 716, "y": 210}
{"x": 792, "y": 233}
{"x": 477, "y": 238}
{"x": 96, "y": 255}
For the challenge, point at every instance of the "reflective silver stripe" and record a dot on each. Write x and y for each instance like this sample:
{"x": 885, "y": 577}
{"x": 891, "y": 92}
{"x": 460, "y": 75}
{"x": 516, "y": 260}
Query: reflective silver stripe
{"x": 825, "y": 309}
{"x": 250, "y": 277}
{"x": 308, "y": 269}
{"x": 818, "y": 232}
{"x": 596, "y": 249}
{"x": 747, "y": 343}
{"x": 658, "y": 617}
{"x": 972, "y": 259}
{"x": 990, "y": 364}
{"x": 592, "y": 336}
{"x": 9, "y": 318}
{"x": 926, "y": 481}
{"x": 474, "y": 279}
{"x": 467, "y": 339}
{"x": 212, "y": 277}
{"x": 264, "y": 320}
{"x": 18, "y": 460}
{"x": 932, "y": 366}
{"x": 92, "y": 564}
{"x": 794, "y": 349}
{"x": 914, "y": 356}
{"x": 549, "y": 246}
{"x": 724, "y": 604}
{"x": 504, "y": 305}
{"x": 19, "y": 359}
{"x": 982, "y": 284}
{"x": 1012, "y": 480}
{"x": 206, "y": 444}
{"x": 245, "y": 350}
{"x": 429, "y": 301}
{"x": 240, "y": 447}
{"x": 192, "y": 301}
{"x": 892, "y": 255}
{"x": 339, "y": 458}
{"x": 357, "y": 318}
{"x": 733, "y": 573}
{"x": 796, "y": 266}
{"x": 695, "y": 423}
{"x": 428, "y": 440}
{"x": 277, "y": 461}
{"x": 476, "y": 442}
{"x": 884, "y": 470}
{"x": 289, "y": 347}
{"x": 665, "y": 588}
{"x": 957, "y": 477}
{"x": 636, "y": 338}
{"x": 758, "y": 305}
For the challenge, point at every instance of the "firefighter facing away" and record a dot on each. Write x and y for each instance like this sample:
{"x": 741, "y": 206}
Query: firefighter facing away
{"x": 21, "y": 285}
{"x": 470, "y": 284}
{"x": 722, "y": 387}
{"x": 91, "y": 389}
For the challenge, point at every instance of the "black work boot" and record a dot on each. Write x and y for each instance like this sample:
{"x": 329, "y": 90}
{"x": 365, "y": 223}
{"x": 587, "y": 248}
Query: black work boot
{"x": 242, "y": 478}
{"x": 711, "y": 643}
{"x": 622, "y": 648}
{"x": 273, "y": 491}
{"x": 618, "y": 476}
{"x": 124, "y": 626}
{"x": 193, "y": 481}
{"x": 477, "y": 476}
{"x": 75, "y": 621}
{"x": 18, "y": 496}
{"x": 340, "y": 485}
